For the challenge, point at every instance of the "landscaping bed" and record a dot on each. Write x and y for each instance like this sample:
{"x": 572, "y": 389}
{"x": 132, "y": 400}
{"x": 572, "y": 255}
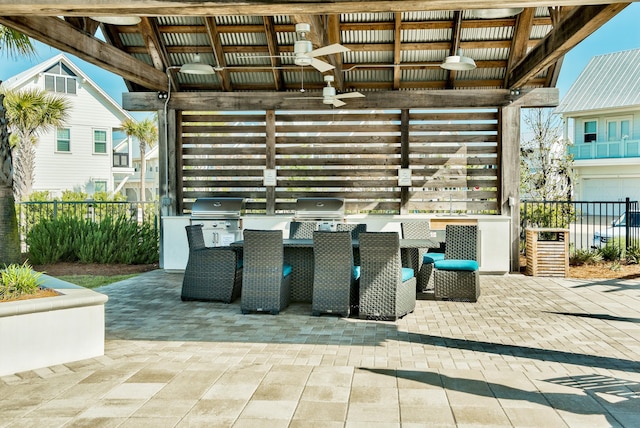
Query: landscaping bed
{"x": 65, "y": 269}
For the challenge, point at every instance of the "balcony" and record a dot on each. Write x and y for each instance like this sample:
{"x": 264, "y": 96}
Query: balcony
{"x": 606, "y": 150}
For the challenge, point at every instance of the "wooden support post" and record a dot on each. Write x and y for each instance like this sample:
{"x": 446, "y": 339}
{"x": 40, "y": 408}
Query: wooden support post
{"x": 271, "y": 159}
{"x": 509, "y": 170}
{"x": 404, "y": 158}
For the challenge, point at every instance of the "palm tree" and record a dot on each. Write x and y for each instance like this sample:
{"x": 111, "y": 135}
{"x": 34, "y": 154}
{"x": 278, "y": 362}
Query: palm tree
{"x": 30, "y": 113}
{"x": 11, "y": 43}
{"x": 147, "y": 134}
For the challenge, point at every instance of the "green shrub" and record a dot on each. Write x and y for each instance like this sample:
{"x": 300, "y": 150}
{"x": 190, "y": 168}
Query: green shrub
{"x": 585, "y": 257}
{"x": 18, "y": 280}
{"x": 632, "y": 255}
{"x": 113, "y": 240}
{"x": 52, "y": 240}
{"x": 611, "y": 252}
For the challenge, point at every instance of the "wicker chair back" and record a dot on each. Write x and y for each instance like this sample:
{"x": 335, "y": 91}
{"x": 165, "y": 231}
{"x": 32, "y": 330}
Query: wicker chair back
{"x": 302, "y": 229}
{"x": 462, "y": 242}
{"x": 334, "y": 288}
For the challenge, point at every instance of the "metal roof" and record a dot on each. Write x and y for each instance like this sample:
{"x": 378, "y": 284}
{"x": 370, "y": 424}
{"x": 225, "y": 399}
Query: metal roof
{"x": 394, "y": 46}
{"x": 608, "y": 81}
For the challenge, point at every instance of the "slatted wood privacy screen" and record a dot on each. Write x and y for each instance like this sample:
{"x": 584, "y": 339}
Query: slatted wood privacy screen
{"x": 356, "y": 155}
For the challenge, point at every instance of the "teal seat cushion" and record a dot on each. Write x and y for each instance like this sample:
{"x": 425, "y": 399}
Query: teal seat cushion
{"x": 239, "y": 264}
{"x": 466, "y": 265}
{"x": 432, "y": 257}
{"x": 407, "y": 274}
{"x": 286, "y": 269}
{"x": 356, "y": 272}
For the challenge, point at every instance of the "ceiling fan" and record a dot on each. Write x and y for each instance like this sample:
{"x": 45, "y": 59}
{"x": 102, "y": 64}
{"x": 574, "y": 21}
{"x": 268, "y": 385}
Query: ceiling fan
{"x": 305, "y": 55}
{"x": 329, "y": 95}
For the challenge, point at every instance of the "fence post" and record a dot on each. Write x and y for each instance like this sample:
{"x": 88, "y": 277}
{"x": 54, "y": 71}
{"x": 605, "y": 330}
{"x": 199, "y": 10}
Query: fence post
{"x": 627, "y": 213}
{"x": 55, "y": 209}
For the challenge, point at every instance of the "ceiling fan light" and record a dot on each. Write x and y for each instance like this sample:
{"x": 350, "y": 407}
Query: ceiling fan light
{"x": 496, "y": 13}
{"x": 458, "y": 62}
{"x": 197, "y": 67}
{"x": 118, "y": 20}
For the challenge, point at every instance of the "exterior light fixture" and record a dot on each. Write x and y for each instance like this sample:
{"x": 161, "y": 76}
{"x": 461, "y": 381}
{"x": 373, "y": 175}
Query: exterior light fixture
{"x": 118, "y": 20}
{"x": 197, "y": 67}
{"x": 495, "y": 13}
{"x": 458, "y": 62}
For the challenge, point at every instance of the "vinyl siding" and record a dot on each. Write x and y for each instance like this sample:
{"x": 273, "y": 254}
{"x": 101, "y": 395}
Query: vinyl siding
{"x": 58, "y": 171}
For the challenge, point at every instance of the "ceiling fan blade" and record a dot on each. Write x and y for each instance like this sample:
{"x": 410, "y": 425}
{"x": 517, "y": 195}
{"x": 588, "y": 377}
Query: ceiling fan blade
{"x": 321, "y": 66}
{"x": 328, "y": 50}
{"x": 350, "y": 95}
{"x": 304, "y": 98}
{"x": 338, "y": 103}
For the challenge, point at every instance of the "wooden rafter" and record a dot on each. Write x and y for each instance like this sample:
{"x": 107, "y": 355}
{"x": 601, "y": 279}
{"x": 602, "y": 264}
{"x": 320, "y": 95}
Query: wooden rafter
{"x": 218, "y": 53}
{"x": 333, "y": 31}
{"x": 274, "y": 52}
{"x": 573, "y": 28}
{"x": 61, "y": 35}
{"x": 397, "y": 45}
{"x": 455, "y": 45}
{"x": 520, "y": 40}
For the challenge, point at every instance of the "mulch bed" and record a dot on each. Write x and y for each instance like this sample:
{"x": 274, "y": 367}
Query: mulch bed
{"x": 65, "y": 269}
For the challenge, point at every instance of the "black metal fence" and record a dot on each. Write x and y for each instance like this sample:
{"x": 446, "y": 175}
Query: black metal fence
{"x": 30, "y": 213}
{"x": 591, "y": 224}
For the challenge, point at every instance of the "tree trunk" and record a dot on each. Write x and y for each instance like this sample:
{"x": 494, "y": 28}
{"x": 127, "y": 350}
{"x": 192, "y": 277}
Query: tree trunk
{"x": 10, "y": 248}
{"x": 143, "y": 168}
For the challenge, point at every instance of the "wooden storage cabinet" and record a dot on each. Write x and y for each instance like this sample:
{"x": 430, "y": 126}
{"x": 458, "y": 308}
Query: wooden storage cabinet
{"x": 547, "y": 252}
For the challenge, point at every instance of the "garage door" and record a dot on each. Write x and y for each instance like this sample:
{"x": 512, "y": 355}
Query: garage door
{"x": 610, "y": 189}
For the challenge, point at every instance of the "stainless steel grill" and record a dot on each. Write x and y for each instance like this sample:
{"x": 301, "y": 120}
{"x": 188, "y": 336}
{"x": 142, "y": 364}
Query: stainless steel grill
{"x": 327, "y": 212}
{"x": 220, "y": 219}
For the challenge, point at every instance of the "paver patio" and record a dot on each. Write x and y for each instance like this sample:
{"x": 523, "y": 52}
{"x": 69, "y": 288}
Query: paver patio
{"x": 531, "y": 352}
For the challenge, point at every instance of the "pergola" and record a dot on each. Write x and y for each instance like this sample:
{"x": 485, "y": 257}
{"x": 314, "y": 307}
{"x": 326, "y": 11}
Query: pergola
{"x": 457, "y": 131}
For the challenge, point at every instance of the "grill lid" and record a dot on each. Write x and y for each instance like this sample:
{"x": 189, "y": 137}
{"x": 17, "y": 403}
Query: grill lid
{"x": 217, "y": 208}
{"x": 320, "y": 208}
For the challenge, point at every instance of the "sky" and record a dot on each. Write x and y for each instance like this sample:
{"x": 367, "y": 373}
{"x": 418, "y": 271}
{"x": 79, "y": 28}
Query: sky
{"x": 619, "y": 34}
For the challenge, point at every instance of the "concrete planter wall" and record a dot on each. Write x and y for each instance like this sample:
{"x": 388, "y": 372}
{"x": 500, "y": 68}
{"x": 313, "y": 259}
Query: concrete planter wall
{"x": 52, "y": 330}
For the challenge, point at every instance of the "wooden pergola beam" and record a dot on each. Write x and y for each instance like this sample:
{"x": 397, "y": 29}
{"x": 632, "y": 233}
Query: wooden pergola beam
{"x": 62, "y": 35}
{"x": 246, "y": 101}
{"x": 274, "y": 52}
{"x": 216, "y": 43}
{"x": 573, "y": 28}
{"x": 256, "y": 7}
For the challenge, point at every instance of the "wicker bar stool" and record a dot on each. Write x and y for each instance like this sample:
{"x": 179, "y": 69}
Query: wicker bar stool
{"x": 266, "y": 279}
{"x": 334, "y": 282}
{"x": 457, "y": 277}
{"x": 387, "y": 290}
{"x": 212, "y": 273}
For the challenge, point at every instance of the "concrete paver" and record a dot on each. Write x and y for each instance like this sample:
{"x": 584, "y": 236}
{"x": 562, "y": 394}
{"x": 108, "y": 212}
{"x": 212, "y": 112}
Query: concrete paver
{"x": 531, "y": 352}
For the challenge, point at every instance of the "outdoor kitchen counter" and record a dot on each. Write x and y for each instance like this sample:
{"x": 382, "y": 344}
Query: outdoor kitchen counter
{"x": 494, "y": 236}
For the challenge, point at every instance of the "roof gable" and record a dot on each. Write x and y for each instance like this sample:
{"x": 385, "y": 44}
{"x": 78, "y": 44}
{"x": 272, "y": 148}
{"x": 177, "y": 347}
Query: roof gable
{"x": 608, "y": 81}
{"x": 23, "y": 77}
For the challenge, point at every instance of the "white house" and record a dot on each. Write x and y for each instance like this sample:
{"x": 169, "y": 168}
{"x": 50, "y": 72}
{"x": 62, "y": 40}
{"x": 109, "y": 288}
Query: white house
{"x": 79, "y": 156}
{"x": 601, "y": 111}
{"x": 130, "y": 184}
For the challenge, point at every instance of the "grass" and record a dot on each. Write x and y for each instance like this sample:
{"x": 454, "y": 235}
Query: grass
{"x": 93, "y": 281}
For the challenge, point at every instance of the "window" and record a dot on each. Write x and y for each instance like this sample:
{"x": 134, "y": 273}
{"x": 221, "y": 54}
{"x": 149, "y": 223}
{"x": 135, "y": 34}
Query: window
{"x": 63, "y": 140}
{"x": 99, "y": 141}
{"x": 590, "y": 131}
{"x": 60, "y": 78}
{"x": 100, "y": 185}
{"x": 618, "y": 129}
